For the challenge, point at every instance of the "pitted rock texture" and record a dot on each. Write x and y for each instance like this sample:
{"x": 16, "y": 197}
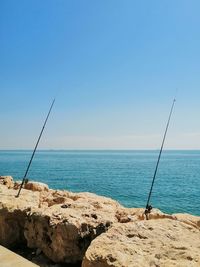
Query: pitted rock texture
{"x": 7, "y": 181}
{"x": 64, "y": 231}
{"x": 161, "y": 242}
{"x": 62, "y": 226}
{"x": 13, "y": 214}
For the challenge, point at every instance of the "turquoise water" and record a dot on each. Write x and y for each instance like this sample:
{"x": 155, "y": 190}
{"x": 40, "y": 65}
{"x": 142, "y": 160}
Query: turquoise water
{"x": 122, "y": 175}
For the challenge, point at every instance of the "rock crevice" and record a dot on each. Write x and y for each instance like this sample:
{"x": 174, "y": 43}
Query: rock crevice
{"x": 97, "y": 231}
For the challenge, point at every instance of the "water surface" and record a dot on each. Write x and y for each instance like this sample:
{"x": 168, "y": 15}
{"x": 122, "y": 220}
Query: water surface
{"x": 123, "y": 175}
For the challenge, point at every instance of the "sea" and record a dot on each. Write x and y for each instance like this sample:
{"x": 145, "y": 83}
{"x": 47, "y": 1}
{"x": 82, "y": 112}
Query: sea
{"x": 124, "y": 175}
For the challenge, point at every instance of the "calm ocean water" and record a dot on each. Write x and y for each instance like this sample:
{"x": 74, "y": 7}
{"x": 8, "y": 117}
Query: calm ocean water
{"x": 122, "y": 175}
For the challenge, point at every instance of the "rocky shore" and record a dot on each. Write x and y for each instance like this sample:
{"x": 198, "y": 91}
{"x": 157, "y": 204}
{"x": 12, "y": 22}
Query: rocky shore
{"x": 61, "y": 228}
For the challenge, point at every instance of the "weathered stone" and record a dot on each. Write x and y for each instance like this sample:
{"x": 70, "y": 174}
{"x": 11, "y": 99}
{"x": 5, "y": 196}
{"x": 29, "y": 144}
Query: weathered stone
{"x": 36, "y": 186}
{"x": 125, "y": 215}
{"x": 64, "y": 231}
{"x": 13, "y": 213}
{"x": 161, "y": 242}
{"x": 188, "y": 218}
{"x": 61, "y": 225}
{"x": 7, "y": 181}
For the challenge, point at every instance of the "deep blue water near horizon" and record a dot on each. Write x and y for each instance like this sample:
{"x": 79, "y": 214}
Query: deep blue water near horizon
{"x": 122, "y": 175}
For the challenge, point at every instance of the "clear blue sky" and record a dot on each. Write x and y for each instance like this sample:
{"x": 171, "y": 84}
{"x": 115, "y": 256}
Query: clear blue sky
{"x": 115, "y": 65}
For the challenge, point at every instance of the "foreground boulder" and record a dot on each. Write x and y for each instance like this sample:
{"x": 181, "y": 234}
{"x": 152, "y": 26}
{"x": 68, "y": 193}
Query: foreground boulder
{"x": 60, "y": 224}
{"x": 66, "y": 227}
{"x": 64, "y": 231}
{"x": 161, "y": 242}
{"x": 13, "y": 214}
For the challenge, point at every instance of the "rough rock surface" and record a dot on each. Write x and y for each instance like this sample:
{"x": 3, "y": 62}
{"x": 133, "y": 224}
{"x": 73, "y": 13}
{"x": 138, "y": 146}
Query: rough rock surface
{"x": 64, "y": 230}
{"x": 125, "y": 215}
{"x": 7, "y": 181}
{"x": 62, "y": 226}
{"x": 189, "y": 219}
{"x": 161, "y": 242}
{"x": 59, "y": 223}
{"x": 35, "y": 186}
{"x": 13, "y": 213}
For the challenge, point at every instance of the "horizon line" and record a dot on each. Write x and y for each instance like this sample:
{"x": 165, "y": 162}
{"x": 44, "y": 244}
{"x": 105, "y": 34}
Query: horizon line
{"x": 100, "y": 149}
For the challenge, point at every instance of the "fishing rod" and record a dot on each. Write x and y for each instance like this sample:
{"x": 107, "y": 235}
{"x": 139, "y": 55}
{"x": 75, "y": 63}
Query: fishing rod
{"x": 149, "y": 207}
{"x": 24, "y": 179}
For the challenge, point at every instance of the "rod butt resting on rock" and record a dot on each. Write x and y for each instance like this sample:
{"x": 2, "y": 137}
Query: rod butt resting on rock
{"x": 148, "y": 206}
